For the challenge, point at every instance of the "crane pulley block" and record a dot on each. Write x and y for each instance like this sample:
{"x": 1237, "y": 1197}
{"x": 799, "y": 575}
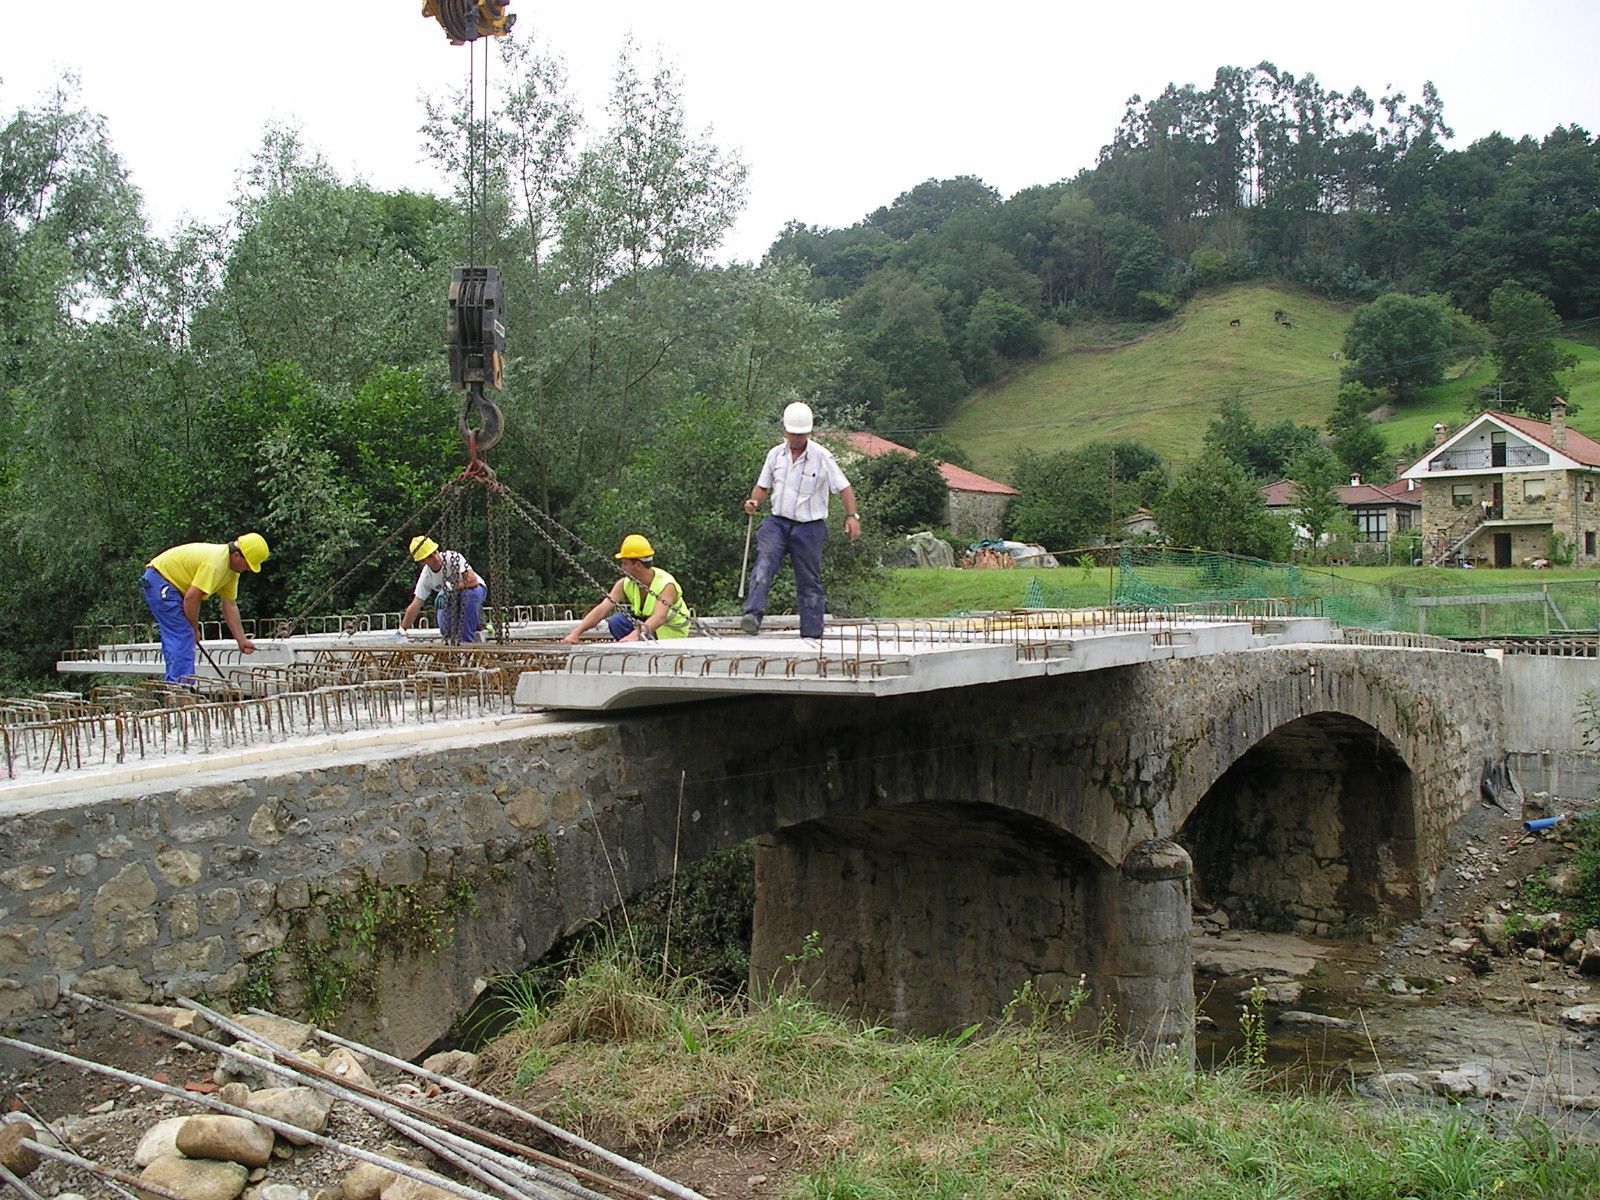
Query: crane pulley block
{"x": 475, "y": 327}
{"x": 469, "y": 20}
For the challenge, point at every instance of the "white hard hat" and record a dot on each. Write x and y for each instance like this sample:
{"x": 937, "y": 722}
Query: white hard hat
{"x": 797, "y": 418}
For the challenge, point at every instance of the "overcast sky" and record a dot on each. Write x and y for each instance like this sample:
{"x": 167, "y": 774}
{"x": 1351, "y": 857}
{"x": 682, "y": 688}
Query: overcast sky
{"x": 835, "y": 107}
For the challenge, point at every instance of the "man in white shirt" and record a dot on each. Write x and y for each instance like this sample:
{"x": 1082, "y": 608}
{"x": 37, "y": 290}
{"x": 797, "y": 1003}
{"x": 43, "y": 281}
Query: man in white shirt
{"x": 799, "y": 475}
{"x": 458, "y": 592}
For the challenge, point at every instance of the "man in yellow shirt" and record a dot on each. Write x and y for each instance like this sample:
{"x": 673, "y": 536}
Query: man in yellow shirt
{"x": 644, "y": 604}
{"x": 177, "y": 580}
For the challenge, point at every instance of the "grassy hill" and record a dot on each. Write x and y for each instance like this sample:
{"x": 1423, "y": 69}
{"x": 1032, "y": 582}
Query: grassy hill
{"x": 1162, "y": 388}
{"x": 1161, "y": 384}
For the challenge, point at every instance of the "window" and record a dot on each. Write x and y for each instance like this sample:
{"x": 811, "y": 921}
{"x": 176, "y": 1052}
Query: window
{"x": 1372, "y": 524}
{"x": 1497, "y": 449}
{"x": 1588, "y": 491}
{"x": 1402, "y": 519}
{"x": 1534, "y": 489}
{"x": 1462, "y": 494}
{"x": 1588, "y": 543}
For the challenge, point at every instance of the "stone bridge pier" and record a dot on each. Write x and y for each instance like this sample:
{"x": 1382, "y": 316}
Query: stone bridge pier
{"x": 948, "y": 849}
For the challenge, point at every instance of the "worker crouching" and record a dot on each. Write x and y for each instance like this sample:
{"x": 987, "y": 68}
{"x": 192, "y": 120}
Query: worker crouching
{"x": 644, "y": 603}
{"x": 457, "y": 591}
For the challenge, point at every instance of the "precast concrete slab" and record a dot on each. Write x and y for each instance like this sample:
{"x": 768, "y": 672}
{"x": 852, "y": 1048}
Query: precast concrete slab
{"x": 880, "y": 660}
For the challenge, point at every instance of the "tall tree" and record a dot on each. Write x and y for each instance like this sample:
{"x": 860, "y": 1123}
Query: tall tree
{"x": 1215, "y": 504}
{"x": 1356, "y": 442}
{"x": 1528, "y": 361}
{"x": 1400, "y": 343}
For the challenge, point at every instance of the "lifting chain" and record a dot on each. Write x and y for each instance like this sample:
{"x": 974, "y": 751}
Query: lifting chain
{"x": 496, "y": 515}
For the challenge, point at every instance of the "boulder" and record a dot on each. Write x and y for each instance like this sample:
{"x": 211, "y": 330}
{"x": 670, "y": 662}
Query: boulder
{"x": 457, "y": 1064}
{"x": 1469, "y": 1079}
{"x": 291, "y": 1035}
{"x": 1587, "y": 959}
{"x": 14, "y": 1156}
{"x": 195, "y": 1178}
{"x": 347, "y": 1068}
{"x": 404, "y": 1188}
{"x": 1582, "y": 1016}
{"x": 1318, "y": 1020}
{"x": 366, "y": 1181}
{"x": 159, "y": 1141}
{"x": 298, "y": 1106}
{"x": 226, "y": 1139}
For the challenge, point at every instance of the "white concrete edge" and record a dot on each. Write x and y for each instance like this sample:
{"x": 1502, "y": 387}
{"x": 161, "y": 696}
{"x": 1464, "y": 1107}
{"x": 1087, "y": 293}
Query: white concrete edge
{"x": 90, "y": 782}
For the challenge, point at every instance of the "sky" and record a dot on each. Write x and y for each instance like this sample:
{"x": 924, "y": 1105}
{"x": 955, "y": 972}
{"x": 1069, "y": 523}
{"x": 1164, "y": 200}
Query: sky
{"x": 835, "y": 108}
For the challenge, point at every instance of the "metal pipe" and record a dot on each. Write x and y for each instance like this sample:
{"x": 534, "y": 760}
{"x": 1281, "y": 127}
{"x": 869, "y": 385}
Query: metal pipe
{"x": 623, "y": 1164}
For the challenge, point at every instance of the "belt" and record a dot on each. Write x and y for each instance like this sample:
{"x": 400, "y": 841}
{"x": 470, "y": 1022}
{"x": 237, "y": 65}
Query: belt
{"x": 797, "y": 521}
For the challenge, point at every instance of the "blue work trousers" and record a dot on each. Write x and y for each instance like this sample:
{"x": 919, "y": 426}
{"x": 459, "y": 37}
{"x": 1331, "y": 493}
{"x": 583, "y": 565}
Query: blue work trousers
{"x": 177, "y": 635}
{"x": 459, "y": 611}
{"x": 802, "y": 541}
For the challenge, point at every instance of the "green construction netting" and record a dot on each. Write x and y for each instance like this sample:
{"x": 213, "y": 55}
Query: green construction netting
{"x": 1486, "y": 607}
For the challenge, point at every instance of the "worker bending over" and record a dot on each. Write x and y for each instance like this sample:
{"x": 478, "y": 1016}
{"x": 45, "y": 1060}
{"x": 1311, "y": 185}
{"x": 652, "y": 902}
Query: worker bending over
{"x": 178, "y": 579}
{"x": 458, "y": 592}
{"x": 644, "y": 603}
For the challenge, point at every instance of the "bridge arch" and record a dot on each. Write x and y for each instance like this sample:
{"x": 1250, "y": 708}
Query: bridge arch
{"x": 1309, "y": 829}
{"x": 930, "y": 914}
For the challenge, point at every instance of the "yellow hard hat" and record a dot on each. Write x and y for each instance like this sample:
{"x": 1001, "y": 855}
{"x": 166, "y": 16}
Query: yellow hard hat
{"x": 635, "y": 545}
{"x": 253, "y": 548}
{"x": 422, "y": 546}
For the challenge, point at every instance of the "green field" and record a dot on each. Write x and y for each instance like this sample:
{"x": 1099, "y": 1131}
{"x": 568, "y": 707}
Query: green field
{"x": 1371, "y": 597}
{"x": 1161, "y": 384}
{"x": 1163, "y": 388}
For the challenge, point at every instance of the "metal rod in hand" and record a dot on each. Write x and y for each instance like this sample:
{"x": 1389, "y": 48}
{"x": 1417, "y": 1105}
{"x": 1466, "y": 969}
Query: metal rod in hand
{"x": 211, "y": 660}
{"x": 749, "y": 528}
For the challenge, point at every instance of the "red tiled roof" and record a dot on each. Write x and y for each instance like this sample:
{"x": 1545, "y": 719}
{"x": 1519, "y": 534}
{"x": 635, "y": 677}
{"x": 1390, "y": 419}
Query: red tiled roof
{"x": 957, "y": 479}
{"x": 1352, "y": 495}
{"x": 1579, "y": 447}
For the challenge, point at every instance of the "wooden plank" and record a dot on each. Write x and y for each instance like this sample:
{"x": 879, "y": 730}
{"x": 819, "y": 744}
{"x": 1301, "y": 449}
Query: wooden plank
{"x": 1476, "y": 598}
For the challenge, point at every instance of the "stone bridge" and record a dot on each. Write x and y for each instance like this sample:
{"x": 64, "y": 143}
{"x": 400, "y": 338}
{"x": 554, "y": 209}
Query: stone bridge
{"x": 948, "y": 847}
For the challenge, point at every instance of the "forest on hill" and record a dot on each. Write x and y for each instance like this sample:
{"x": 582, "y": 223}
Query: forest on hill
{"x": 283, "y": 370}
{"x": 1263, "y": 175}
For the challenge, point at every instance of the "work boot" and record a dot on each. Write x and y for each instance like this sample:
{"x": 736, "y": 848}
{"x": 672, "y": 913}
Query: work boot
{"x": 750, "y": 623}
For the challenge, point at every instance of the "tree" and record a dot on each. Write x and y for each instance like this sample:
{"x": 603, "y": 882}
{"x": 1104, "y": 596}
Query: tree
{"x": 1215, "y": 504}
{"x": 1356, "y": 443}
{"x": 1264, "y": 451}
{"x": 1523, "y": 325}
{"x": 1317, "y": 475}
{"x": 998, "y": 333}
{"x": 1400, "y": 343}
{"x": 1067, "y": 498}
{"x": 941, "y": 449}
{"x": 903, "y": 492}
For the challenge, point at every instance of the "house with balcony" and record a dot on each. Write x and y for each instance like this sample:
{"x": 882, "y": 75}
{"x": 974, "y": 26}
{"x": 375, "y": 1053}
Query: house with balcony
{"x": 1503, "y": 490}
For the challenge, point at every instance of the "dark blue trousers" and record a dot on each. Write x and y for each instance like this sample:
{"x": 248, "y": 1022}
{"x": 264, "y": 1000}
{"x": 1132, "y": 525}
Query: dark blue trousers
{"x": 466, "y": 604}
{"x": 802, "y": 541}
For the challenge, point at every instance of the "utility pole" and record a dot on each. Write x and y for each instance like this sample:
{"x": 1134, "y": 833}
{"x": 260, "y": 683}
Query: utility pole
{"x": 1111, "y": 531}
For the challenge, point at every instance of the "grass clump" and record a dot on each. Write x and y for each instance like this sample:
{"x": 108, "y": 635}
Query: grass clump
{"x": 1022, "y": 1108}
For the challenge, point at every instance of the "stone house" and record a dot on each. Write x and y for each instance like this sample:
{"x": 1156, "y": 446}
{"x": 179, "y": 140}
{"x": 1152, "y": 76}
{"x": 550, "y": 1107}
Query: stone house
{"x": 975, "y": 507}
{"x": 1378, "y": 512}
{"x": 1505, "y": 490}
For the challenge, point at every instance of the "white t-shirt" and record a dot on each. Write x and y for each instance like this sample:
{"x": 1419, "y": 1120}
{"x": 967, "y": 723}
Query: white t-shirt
{"x": 430, "y": 581}
{"x": 798, "y": 488}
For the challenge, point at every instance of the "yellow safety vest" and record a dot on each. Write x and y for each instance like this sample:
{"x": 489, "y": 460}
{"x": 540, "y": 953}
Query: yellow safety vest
{"x": 642, "y": 605}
